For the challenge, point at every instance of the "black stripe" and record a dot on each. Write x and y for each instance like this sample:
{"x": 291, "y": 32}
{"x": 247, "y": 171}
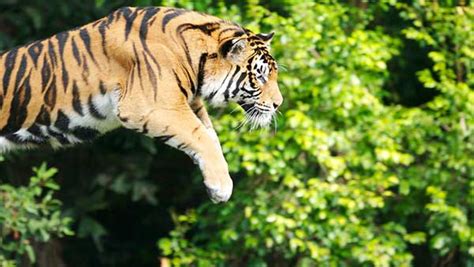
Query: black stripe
{"x": 34, "y": 51}
{"x": 65, "y": 77}
{"x": 45, "y": 74}
{"x": 198, "y": 110}
{"x": 183, "y": 91}
{"x": 225, "y": 79}
{"x": 20, "y": 73}
{"x": 19, "y": 108}
{"x": 206, "y": 28}
{"x": 149, "y": 13}
{"x": 152, "y": 21}
{"x": 250, "y": 92}
{"x": 62, "y": 40}
{"x": 181, "y": 86}
{"x": 227, "y": 90}
{"x": 129, "y": 19}
{"x": 182, "y": 146}
{"x": 52, "y": 53}
{"x": 145, "y": 128}
{"x": 213, "y": 94}
{"x": 17, "y": 140}
{"x": 85, "y": 133}
{"x": 85, "y": 70}
{"x": 76, "y": 99}
{"x": 105, "y": 23}
{"x": 62, "y": 122}
{"x": 43, "y": 117}
{"x": 226, "y": 47}
{"x": 93, "y": 110}
{"x": 152, "y": 76}
{"x": 201, "y": 72}
{"x": 96, "y": 23}
{"x": 110, "y": 18}
{"x": 124, "y": 11}
{"x": 165, "y": 138}
{"x": 10, "y": 61}
{"x": 124, "y": 119}
{"x": 27, "y": 94}
{"x": 237, "y": 85}
{"x": 36, "y": 131}
{"x": 186, "y": 52}
{"x": 238, "y": 32}
{"x": 86, "y": 38}
{"x": 168, "y": 17}
{"x": 193, "y": 87}
{"x": 85, "y": 65}
{"x": 58, "y": 136}
{"x": 37, "y": 139}
{"x": 130, "y": 83}
{"x": 138, "y": 66}
{"x": 102, "y": 28}
{"x": 256, "y": 93}
{"x": 75, "y": 52}
{"x": 50, "y": 95}
{"x": 213, "y": 56}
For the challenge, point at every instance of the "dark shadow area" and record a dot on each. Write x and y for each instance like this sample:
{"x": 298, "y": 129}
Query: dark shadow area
{"x": 403, "y": 85}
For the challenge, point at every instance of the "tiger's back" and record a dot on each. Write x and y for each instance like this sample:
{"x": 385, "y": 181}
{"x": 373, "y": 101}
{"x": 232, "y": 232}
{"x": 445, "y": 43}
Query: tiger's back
{"x": 65, "y": 89}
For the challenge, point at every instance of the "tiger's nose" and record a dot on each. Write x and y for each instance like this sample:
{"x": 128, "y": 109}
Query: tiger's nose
{"x": 277, "y": 100}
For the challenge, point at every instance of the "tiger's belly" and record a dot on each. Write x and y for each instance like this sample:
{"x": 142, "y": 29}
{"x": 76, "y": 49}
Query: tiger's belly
{"x": 99, "y": 115}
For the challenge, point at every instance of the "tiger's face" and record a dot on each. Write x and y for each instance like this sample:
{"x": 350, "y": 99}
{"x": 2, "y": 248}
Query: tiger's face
{"x": 248, "y": 75}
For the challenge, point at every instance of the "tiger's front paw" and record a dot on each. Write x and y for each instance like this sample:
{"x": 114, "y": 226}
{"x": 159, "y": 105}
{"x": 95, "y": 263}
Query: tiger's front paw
{"x": 219, "y": 190}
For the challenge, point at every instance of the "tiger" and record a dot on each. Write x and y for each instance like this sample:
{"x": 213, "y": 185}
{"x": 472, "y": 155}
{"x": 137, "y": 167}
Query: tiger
{"x": 148, "y": 69}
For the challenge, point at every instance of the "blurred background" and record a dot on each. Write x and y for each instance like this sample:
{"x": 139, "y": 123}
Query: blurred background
{"x": 371, "y": 162}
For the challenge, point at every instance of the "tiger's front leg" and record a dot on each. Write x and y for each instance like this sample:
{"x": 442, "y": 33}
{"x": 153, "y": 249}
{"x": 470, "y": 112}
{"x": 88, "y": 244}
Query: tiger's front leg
{"x": 199, "y": 109}
{"x": 179, "y": 127}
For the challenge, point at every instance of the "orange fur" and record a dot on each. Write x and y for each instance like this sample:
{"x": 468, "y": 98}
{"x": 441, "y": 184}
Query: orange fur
{"x": 145, "y": 69}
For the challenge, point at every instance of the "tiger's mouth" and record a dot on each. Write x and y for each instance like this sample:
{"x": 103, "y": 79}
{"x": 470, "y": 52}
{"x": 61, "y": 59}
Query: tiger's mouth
{"x": 257, "y": 115}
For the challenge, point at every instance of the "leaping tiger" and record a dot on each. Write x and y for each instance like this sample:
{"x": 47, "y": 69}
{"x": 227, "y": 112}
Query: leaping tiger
{"x": 145, "y": 69}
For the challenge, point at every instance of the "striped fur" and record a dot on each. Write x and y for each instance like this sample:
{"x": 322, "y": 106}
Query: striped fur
{"x": 145, "y": 69}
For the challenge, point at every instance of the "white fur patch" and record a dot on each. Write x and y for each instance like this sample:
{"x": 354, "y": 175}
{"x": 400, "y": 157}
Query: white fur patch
{"x": 5, "y": 145}
{"x": 106, "y": 105}
{"x": 217, "y": 86}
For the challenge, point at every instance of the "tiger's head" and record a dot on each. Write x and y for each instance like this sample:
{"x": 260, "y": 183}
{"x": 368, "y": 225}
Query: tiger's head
{"x": 246, "y": 73}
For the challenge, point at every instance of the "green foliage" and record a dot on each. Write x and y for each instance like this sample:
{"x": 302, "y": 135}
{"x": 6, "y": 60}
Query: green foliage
{"x": 30, "y": 214}
{"x": 371, "y": 163}
{"x": 347, "y": 179}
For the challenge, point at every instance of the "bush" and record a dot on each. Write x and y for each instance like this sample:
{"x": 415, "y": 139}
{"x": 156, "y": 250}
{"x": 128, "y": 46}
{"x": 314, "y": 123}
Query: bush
{"x": 351, "y": 177}
{"x": 30, "y": 214}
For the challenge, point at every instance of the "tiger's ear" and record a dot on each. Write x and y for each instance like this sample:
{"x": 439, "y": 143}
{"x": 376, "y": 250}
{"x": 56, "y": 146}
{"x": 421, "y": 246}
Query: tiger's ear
{"x": 233, "y": 49}
{"x": 266, "y": 37}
